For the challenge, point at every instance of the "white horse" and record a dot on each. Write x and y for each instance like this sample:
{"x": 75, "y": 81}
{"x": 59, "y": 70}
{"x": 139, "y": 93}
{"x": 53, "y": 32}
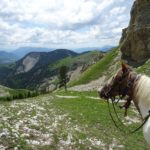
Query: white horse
{"x": 137, "y": 88}
{"x": 142, "y": 99}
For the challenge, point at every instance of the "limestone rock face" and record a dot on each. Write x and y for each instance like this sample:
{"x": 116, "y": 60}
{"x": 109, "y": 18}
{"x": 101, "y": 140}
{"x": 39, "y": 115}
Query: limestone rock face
{"x": 135, "y": 41}
{"x": 28, "y": 62}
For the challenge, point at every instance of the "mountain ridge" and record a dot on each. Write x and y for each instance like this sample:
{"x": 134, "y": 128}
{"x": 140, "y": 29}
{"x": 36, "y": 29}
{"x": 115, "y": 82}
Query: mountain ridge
{"x": 38, "y": 67}
{"x": 22, "y": 51}
{"x": 31, "y": 69}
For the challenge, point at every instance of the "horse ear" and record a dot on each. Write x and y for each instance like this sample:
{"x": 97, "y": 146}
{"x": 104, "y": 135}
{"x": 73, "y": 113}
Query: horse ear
{"x": 124, "y": 67}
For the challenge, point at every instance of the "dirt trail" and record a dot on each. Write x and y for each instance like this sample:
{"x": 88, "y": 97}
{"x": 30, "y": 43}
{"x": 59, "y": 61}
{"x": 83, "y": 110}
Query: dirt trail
{"x": 62, "y": 96}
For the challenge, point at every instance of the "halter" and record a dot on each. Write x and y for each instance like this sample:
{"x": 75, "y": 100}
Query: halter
{"x": 130, "y": 85}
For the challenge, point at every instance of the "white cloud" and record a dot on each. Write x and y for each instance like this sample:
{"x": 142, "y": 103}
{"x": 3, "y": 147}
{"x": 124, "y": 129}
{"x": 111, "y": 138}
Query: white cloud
{"x": 62, "y": 22}
{"x": 118, "y": 10}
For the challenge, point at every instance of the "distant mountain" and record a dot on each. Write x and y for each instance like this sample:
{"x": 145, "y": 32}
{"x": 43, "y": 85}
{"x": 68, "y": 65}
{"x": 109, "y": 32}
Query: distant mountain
{"x": 7, "y": 57}
{"x": 103, "y": 49}
{"x": 22, "y": 51}
{"x": 41, "y": 69}
{"x": 41, "y": 59}
{"x": 86, "y": 49}
{"x": 107, "y": 48}
{"x": 32, "y": 68}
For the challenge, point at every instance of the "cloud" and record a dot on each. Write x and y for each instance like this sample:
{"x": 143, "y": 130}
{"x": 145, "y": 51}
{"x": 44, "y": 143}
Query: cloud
{"x": 62, "y": 22}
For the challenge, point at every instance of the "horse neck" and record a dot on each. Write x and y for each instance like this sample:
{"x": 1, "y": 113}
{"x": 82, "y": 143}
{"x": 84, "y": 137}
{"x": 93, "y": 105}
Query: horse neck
{"x": 141, "y": 95}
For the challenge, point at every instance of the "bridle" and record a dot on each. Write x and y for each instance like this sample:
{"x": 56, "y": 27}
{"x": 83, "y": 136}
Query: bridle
{"x": 122, "y": 93}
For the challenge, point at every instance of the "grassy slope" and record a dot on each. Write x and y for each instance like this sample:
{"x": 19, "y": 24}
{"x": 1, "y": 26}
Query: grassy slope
{"x": 72, "y": 63}
{"x": 8, "y": 93}
{"x": 71, "y": 60}
{"x": 31, "y": 79}
{"x": 93, "y": 116}
{"x": 102, "y": 67}
{"x": 144, "y": 69}
{"x": 96, "y": 70}
{"x": 79, "y": 123}
{"x": 90, "y": 116}
{"x": 5, "y": 70}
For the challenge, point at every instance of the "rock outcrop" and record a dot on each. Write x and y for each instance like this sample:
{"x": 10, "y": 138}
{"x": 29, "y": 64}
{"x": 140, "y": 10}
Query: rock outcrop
{"x": 28, "y": 62}
{"x": 135, "y": 41}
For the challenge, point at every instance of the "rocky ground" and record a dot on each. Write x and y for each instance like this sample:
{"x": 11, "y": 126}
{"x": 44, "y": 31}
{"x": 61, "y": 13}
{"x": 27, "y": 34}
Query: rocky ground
{"x": 33, "y": 124}
{"x": 36, "y": 124}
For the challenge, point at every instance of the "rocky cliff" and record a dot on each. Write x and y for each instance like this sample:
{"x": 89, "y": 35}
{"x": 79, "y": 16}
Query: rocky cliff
{"x": 135, "y": 41}
{"x": 28, "y": 62}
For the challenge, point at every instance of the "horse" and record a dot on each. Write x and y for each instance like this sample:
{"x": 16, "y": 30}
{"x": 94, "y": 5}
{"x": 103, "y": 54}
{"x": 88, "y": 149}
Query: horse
{"x": 134, "y": 87}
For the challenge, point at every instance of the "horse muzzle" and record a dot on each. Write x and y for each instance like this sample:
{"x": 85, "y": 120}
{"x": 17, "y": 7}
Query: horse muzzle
{"x": 103, "y": 95}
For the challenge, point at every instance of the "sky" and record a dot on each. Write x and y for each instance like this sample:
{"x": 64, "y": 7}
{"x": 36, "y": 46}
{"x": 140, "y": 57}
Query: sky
{"x": 62, "y": 23}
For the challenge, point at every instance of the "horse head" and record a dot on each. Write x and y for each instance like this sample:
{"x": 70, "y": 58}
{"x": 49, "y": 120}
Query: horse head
{"x": 119, "y": 84}
{"x": 122, "y": 85}
{"x": 134, "y": 87}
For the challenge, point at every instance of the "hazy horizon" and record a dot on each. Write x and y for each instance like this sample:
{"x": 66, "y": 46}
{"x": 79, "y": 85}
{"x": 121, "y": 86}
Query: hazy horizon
{"x": 78, "y": 49}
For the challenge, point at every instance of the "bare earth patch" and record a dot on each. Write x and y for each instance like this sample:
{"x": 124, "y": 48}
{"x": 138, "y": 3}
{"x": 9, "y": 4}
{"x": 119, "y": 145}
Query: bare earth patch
{"x": 93, "y": 85}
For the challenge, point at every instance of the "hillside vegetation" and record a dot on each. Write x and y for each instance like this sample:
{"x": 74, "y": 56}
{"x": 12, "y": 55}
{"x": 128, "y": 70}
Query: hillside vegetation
{"x": 10, "y": 94}
{"x": 145, "y": 68}
{"x": 7, "y": 57}
{"x": 83, "y": 59}
{"x": 98, "y": 69}
{"x": 37, "y": 70}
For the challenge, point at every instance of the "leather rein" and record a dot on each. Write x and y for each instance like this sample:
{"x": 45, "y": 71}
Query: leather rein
{"x": 122, "y": 93}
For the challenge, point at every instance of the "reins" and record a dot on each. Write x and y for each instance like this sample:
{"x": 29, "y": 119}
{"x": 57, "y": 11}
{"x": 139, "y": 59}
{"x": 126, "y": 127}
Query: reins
{"x": 145, "y": 120}
{"x": 110, "y": 113}
{"x": 125, "y": 91}
{"x": 117, "y": 126}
